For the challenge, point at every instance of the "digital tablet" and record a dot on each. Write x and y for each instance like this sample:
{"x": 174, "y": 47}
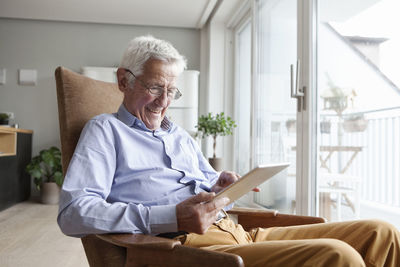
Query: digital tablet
{"x": 251, "y": 180}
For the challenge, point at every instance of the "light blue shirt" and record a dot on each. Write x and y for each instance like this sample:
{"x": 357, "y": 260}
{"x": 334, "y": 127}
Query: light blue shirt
{"x": 125, "y": 178}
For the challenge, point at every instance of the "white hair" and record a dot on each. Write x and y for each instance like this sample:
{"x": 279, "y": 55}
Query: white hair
{"x": 143, "y": 48}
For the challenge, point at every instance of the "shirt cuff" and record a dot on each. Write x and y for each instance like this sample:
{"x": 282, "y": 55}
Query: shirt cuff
{"x": 229, "y": 207}
{"x": 163, "y": 219}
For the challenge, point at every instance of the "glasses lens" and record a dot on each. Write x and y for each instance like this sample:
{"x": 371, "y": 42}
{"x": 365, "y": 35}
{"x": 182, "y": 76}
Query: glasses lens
{"x": 172, "y": 93}
{"x": 157, "y": 91}
{"x": 178, "y": 94}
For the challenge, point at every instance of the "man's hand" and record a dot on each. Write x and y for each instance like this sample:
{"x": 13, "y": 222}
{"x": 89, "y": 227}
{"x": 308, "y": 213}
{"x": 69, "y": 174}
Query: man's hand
{"x": 225, "y": 178}
{"x": 196, "y": 214}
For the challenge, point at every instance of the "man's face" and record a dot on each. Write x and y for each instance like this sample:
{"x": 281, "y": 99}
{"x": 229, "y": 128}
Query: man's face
{"x": 138, "y": 100}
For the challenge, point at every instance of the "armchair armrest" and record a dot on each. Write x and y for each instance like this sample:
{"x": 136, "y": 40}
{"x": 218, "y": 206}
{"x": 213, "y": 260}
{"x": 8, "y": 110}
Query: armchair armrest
{"x": 253, "y": 212}
{"x": 141, "y": 250}
{"x": 252, "y": 218}
{"x": 139, "y": 240}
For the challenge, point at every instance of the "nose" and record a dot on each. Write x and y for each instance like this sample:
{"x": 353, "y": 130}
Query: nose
{"x": 163, "y": 100}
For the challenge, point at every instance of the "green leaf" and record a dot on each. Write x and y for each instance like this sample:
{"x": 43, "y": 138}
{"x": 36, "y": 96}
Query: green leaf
{"x": 46, "y": 167}
{"x": 37, "y": 182}
{"x": 58, "y": 178}
{"x": 218, "y": 125}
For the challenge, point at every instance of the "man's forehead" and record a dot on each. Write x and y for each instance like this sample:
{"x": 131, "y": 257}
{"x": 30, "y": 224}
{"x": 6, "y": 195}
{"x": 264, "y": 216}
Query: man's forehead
{"x": 160, "y": 70}
{"x": 156, "y": 64}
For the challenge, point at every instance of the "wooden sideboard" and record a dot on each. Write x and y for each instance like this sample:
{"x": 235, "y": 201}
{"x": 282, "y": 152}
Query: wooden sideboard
{"x": 15, "y": 154}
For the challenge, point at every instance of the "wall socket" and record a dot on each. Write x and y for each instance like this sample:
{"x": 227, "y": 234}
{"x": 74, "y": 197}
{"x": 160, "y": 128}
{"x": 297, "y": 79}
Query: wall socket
{"x": 27, "y": 77}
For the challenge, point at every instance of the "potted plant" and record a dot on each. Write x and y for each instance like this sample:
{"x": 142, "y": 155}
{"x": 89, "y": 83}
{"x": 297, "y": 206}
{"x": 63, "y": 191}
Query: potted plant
{"x": 325, "y": 126}
{"x": 4, "y": 118}
{"x": 291, "y": 125}
{"x": 355, "y": 123}
{"x": 335, "y": 97}
{"x": 215, "y": 126}
{"x": 46, "y": 171}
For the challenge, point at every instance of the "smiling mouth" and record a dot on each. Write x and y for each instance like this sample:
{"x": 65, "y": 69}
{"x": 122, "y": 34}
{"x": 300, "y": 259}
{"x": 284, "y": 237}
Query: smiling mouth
{"x": 154, "y": 110}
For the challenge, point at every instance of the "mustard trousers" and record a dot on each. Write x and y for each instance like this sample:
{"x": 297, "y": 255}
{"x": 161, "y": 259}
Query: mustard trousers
{"x": 352, "y": 243}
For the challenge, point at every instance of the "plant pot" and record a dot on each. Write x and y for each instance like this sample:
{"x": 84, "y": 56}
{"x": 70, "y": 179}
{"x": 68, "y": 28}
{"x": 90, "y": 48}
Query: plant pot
{"x": 4, "y": 121}
{"x": 216, "y": 163}
{"x": 325, "y": 127}
{"x": 49, "y": 193}
{"x": 291, "y": 126}
{"x": 358, "y": 125}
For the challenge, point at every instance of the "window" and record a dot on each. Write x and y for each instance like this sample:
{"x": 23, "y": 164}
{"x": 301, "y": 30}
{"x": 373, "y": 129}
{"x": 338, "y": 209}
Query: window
{"x": 359, "y": 110}
{"x": 243, "y": 98}
{"x": 343, "y": 138}
{"x": 269, "y": 134}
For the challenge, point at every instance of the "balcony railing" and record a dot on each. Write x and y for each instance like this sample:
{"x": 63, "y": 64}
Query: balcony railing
{"x": 378, "y": 163}
{"x": 374, "y": 170}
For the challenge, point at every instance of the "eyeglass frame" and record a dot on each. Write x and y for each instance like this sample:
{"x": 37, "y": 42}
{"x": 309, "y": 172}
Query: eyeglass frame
{"x": 178, "y": 93}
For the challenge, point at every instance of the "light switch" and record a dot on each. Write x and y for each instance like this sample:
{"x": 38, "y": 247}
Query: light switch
{"x": 2, "y": 76}
{"x": 27, "y": 77}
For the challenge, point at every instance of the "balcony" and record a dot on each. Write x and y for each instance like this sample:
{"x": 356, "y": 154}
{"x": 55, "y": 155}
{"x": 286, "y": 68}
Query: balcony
{"x": 372, "y": 187}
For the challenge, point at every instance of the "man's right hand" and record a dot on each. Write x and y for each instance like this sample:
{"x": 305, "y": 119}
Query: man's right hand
{"x": 196, "y": 214}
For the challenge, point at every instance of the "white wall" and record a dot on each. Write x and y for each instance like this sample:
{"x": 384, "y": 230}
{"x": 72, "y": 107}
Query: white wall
{"x": 216, "y": 87}
{"x": 44, "y": 45}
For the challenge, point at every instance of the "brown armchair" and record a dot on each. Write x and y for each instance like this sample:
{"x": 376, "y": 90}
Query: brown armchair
{"x": 81, "y": 98}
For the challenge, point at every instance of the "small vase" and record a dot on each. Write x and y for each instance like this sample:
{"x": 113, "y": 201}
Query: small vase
{"x": 325, "y": 127}
{"x": 216, "y": 163}
{"x": 49, "y": 193}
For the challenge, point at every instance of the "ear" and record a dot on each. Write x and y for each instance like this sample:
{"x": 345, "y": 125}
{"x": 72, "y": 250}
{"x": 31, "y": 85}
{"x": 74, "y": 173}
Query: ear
{"x": 122, "y": 80}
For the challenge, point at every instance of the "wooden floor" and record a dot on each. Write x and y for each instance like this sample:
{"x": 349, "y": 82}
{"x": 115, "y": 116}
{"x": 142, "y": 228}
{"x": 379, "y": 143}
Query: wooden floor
{"x": 29, "y": 236}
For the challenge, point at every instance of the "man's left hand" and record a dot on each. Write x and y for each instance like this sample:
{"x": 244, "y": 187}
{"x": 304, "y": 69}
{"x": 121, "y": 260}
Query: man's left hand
{"x": 225, "y": 178}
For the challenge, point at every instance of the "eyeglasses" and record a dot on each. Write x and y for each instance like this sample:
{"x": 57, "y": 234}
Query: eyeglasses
{"x": 172, "y": 93}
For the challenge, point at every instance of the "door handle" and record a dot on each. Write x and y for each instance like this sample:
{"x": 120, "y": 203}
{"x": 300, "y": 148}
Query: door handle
{"x": 295, "y": 90}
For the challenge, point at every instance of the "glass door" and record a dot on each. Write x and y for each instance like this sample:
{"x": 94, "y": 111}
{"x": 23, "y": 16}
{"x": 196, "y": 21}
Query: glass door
{"x": 274, "y": 120}
{"x": 358, "y": 110}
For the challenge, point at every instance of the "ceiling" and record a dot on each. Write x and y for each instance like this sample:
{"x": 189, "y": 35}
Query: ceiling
{"x": 170, "y": 13}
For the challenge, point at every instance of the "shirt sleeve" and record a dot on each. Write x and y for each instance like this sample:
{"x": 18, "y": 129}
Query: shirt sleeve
{"x": 209, "y": 173}
{"x": 83, "y": 208}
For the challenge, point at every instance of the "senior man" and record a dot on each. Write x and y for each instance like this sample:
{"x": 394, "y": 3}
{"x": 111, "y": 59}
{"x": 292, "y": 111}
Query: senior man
{"x": 135, "y": 171}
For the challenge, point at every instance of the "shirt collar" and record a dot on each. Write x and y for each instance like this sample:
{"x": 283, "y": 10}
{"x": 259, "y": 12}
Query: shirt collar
{"x": 130, "y": 120}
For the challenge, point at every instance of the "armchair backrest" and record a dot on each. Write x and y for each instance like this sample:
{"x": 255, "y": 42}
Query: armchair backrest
{"x": 79, "y": 99}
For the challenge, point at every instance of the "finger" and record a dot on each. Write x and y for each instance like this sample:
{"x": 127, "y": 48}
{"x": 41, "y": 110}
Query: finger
{"x": 235, "y": 176}
{"x": 222, "y": 202}
{"x": 232, "y": 177}
{"x": 202, "y": 197}
{"x": 217, "y": 204}
{"x": 212, "y": 215}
